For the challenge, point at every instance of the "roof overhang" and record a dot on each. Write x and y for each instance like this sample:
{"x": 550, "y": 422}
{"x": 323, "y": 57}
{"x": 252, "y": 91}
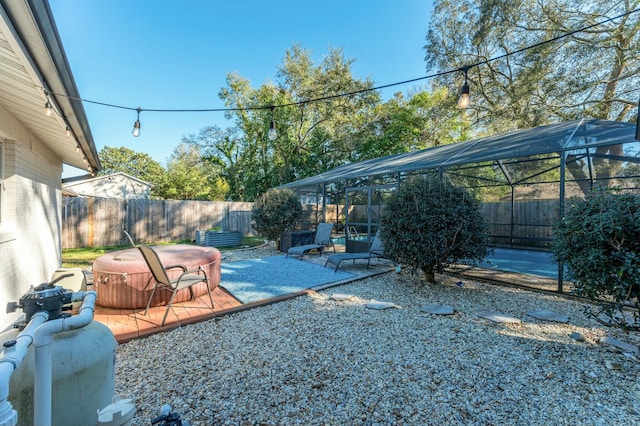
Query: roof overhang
{"x": 32, "y": 61}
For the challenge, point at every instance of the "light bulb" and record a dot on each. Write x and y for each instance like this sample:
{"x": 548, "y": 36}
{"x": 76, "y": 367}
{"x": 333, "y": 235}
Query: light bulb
{"x": 273, "y": 133}
{"x": 68, "y": 131}
{"x": 48, "y": 108}
{"x": 464, "y": 101}
{"x": 136, "y": 129}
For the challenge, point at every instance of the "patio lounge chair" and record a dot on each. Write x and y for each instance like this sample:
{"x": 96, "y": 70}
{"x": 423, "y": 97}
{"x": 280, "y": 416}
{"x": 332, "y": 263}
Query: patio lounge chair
{"x": 322, "y": 240}
{"x": 376, "y": 251}
{"x": 187, "y": 279}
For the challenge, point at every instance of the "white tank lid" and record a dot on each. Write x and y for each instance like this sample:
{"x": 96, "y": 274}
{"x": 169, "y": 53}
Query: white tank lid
{"x": 119, "y": 413}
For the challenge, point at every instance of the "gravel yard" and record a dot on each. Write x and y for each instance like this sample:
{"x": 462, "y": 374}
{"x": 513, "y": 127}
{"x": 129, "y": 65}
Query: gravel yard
{"x": 314, "y": 360}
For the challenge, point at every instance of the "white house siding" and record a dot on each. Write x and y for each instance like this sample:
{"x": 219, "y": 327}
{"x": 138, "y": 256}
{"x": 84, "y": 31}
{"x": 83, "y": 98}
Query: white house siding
{"x": 30, "y": 246}
{"x": 113, "y": 186}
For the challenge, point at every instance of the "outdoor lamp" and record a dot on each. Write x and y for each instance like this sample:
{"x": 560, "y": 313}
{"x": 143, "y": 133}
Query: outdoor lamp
{"x": 48, "y": 108}
{"x": 273, "y": 133}
{"x": 464, "y": 101}
{"x": 136, "y": 125}
{"x": 136, "y": 129}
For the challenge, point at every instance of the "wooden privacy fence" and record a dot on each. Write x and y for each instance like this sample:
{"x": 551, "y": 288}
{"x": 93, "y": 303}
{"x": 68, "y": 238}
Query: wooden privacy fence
{"x": 95, "y": 222}
{"x": 527, "y": 223}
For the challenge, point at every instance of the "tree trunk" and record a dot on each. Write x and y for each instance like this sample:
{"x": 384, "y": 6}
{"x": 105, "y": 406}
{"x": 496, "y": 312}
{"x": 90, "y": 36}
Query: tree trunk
{"x": 429, "y": 275}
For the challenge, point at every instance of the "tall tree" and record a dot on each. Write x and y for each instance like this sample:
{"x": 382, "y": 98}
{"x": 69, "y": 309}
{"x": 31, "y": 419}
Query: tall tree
{"x": 136, "y": 164}
{"x": 188, "y": 177}
{"x": 312, "y": 136}
{"x": 221, "y": 150}
{"x": 403, "y": 125}
{"x": 590, "y": 73}
{"x": 125, "y": 160}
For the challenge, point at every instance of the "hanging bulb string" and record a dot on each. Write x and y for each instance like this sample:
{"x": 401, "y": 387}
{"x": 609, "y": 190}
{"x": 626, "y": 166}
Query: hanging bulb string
{"x": 273, "y": 133}
{"x": 136, "y": 125}
{"x": 464, "y": 101}
{"x": 465, "y": 69}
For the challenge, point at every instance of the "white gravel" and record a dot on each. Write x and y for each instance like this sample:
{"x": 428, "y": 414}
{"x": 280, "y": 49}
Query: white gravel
{"x": 313, "y": 360}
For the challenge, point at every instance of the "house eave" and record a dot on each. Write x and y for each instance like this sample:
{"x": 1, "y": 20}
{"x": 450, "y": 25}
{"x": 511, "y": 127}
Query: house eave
{"x": 30, "y": 29}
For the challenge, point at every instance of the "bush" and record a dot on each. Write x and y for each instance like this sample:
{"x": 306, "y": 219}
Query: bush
{"x": 599, "y": 242}
{"x": 430, "y": 224}
{"x": 276, "y": 211}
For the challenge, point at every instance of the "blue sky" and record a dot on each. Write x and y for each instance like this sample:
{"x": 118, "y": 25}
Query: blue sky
{"x": 158, "y": 54}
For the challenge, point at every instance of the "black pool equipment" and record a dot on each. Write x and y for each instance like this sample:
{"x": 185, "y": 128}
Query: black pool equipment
{"x": 45, "y": 297}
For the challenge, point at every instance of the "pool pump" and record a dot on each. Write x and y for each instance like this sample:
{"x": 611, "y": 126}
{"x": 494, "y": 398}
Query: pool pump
{"x": 46, "y": 297}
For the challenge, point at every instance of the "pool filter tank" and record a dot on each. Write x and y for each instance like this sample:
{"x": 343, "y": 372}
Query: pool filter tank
{"x": 82, "y": 362}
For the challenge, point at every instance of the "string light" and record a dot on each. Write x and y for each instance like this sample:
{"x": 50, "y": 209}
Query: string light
{"x": 273, "y": 133}
{"x": 48, "y": 107}
{"x": 464, "y": 101}
{"x": 68, "y": 131}
{"x": 136, "y": 125}
{"x": 464, "y": 92}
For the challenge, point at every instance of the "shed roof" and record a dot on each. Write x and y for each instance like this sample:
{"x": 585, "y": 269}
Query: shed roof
{"x": 552, "y": 138}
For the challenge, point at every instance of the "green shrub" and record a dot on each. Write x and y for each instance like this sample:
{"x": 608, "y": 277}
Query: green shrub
{"x": 599, "y": 242}
{"x": 276, "y": 211}
{"x": 430, "y": 224}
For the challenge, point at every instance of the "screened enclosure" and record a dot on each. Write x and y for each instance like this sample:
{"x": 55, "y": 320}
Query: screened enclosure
{"x": 522, "y": 178}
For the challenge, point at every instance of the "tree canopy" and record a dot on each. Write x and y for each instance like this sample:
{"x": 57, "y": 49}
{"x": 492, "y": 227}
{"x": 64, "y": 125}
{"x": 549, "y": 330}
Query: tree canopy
{"x": 546, "y": 70}
{"x": 189, "y": 177}
{"x": 526, "y": 66}
{"x": 590, "y": 73}
{"x": 125, "y": 160}
{"x": 318, "y": 126}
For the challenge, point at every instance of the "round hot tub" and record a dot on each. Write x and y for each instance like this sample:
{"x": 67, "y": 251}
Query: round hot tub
{"x": 122, "y": 278}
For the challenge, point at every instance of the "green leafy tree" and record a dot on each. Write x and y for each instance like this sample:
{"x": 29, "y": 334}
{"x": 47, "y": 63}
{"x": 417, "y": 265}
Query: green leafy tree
{"x": 593, "y": 73}
{"x": 599, "y": 242}
{"x": 188, "y": 177}
{"x": 276, "y": 211}
{"x": 136, "y": 164}
{"x": 430, "y": 224}
{"x": 401, "y": 125}
{"x": 221, "y": 151}
{"x": 312, "y": 136}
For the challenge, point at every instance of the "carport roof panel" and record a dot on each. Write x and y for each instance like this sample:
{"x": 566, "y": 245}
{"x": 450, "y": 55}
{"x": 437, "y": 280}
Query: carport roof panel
{"x": 552, "y": 138}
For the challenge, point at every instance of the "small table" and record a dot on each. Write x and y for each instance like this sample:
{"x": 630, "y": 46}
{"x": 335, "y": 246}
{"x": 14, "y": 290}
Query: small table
{"x": 122, "y": 278}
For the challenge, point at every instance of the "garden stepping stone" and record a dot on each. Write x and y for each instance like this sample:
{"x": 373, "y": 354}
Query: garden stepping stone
{"x": 498, "y": 317}
{"x": 438, "y": 309}
{"x": 628, "y": 320}
{"x": 578, "y": 337}
{"x": 377, "y": 304}
{"x": 625, "y": 347}
{"x": 547, "y": 315}
{"x": 341, "y": 297}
